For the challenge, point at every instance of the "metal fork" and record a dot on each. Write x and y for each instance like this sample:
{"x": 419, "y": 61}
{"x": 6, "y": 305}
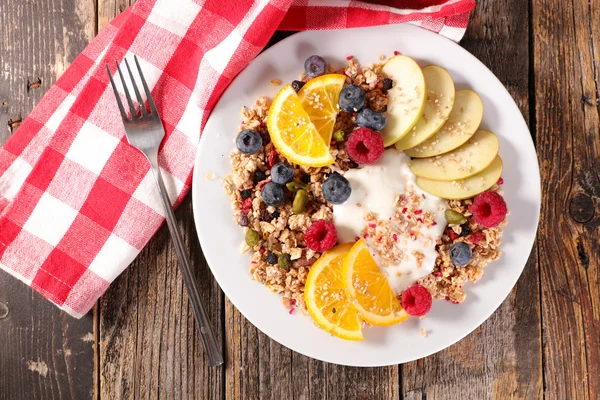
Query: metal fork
{"x": 145, "y": 132}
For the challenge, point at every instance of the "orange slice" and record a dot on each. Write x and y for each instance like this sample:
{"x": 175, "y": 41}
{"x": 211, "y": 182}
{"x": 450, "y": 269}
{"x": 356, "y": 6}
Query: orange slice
{"x": 293, "y": 133}
{"x": 373, "y": 297}
{"x": 319, "y": 97}
{"x": 326, "y": 299}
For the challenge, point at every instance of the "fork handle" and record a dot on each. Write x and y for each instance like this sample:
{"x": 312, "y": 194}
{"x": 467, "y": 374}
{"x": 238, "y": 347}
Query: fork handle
{"x": 213, "y": 351}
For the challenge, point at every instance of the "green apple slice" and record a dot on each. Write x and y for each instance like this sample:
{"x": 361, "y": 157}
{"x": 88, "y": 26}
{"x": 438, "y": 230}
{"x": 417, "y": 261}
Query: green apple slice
{"x": 438, "y": 105}
{"x": 406, "y": 98}
{"x": 466, "y": 188}
{"x": 462, "y": 123}
{"x": 469, "y": 159}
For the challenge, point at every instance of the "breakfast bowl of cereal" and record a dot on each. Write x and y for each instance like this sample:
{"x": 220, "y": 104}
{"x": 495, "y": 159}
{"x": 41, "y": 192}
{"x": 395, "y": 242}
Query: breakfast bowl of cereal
{"x": 366, "y": 205}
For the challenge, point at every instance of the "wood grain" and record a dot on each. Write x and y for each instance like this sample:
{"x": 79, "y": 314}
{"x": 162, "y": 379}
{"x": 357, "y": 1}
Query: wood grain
{"x": 44, "y": 352}
{"x": 567, "y": 61}
{"x": 503, "y": 358}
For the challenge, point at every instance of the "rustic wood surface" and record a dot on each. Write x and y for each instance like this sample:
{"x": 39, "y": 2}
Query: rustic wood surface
{"x": 141, "y": 340}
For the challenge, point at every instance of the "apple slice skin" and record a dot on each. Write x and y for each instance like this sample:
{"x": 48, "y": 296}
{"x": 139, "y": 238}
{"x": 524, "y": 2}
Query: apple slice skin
{"x": 406, "y": 99}
{"x": 467, "y": 160}
{"x": 438, "y": 106}
{"x": 462, "y": 123}
{"x": 467, "y": 188}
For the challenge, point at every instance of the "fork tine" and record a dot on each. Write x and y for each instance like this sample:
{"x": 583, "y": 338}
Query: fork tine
{"x": 129, "y": 101}
{"x": 117, "y": 96}
{"x": 148, "y": 93}
{"x": 136, "y": 90}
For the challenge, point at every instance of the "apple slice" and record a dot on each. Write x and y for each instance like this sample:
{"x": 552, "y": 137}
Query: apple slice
{"x": 406, "y": 98}
{"x": 438, "y": 105}
{"x": 466, "y": 188}
{"x": 470, "y": 158}
{"x": 462, "y": 123}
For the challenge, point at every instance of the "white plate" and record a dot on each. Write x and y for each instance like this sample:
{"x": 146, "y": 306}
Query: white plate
{"x": 446, "y": 323}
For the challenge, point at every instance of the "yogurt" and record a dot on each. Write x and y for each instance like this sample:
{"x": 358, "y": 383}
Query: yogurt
{"x": 385, "y": 190}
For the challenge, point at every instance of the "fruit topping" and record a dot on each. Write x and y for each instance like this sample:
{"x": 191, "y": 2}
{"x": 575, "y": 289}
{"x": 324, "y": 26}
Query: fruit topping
{"x": 364, "y": 146}
{"x": 489, "y": 209}
{"x": 273, "y": 194}
{"x": 368, "y": 118}
{"x": 460, "y": 254}
{"x": 465, "y": 229}
{"x": 259, "y": 176}
{"x": 315, "y": 66}
{"x": 245, "y": 194}
{"x": 352, "y": 98}
{"x": 248, "y": 141}
{"x": 336, "y": 189}
{"x": 271, "y": 258}
{"x": 416, "y": 300}
{"x": 297, "y": 85}
{"x": 321, "y": 236}
{"x": 387, "y": 83}
{"x": 282, "y": 173}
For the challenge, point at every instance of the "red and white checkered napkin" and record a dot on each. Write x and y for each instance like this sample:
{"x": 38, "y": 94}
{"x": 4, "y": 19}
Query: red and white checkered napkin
{"x": 77, "y": 202}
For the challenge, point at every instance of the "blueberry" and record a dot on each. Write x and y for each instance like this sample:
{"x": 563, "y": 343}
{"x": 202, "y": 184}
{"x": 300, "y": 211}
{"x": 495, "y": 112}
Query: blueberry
{"x": 248, "y": 141}
{"x": 352, "y": 98}
{"x": 315, "y": 66}
{"x": 460, "y": 253}
{"x": 297, "y": 85}
{"x": 272, "y": 258}
{"x": 387, "y": 83}
{"x": 368, "y": 118}
{"x": 259, "y": 176}
{"x": 282, "y": 173}
{"x": 465, "y": 229}
{"x": 336, "y": 189}
{"x": 245, "y": 194}
{"x": 273, "y": 194}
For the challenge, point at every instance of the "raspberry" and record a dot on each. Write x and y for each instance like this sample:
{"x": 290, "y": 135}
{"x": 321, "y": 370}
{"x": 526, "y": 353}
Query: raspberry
{"x": 320, "y": 236}
{"x": 475, "y": 237}
{"x": 451, "y": 234}
{"x": 364, "y": 146}
{"x": 489, "y": 209}
{"x": 416, "y": 300}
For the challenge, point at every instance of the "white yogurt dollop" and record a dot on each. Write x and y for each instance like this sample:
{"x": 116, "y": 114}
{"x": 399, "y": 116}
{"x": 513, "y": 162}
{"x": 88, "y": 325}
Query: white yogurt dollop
{"x": 376, "y": 188}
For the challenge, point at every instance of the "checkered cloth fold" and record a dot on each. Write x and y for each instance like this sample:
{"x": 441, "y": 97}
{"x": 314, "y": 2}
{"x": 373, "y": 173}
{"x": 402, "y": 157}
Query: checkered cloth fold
{"x": 77, "y": 202}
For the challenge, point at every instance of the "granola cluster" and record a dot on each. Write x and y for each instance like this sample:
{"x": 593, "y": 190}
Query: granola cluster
{"x": 447, "y": 280}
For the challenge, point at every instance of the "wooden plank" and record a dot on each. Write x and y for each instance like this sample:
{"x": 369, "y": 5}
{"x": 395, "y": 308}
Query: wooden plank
{"x": 502, "y": 358}
{"x": 567, "y": 61}
{"x": 149, "y": 343}
{"x": 45, "y": 353}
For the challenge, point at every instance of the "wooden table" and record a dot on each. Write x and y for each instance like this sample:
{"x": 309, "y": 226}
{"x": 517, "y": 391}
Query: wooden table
{"x": 140, "y": 341}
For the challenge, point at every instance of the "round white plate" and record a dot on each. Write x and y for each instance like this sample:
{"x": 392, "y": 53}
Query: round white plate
{"x": 446, "y": 323}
